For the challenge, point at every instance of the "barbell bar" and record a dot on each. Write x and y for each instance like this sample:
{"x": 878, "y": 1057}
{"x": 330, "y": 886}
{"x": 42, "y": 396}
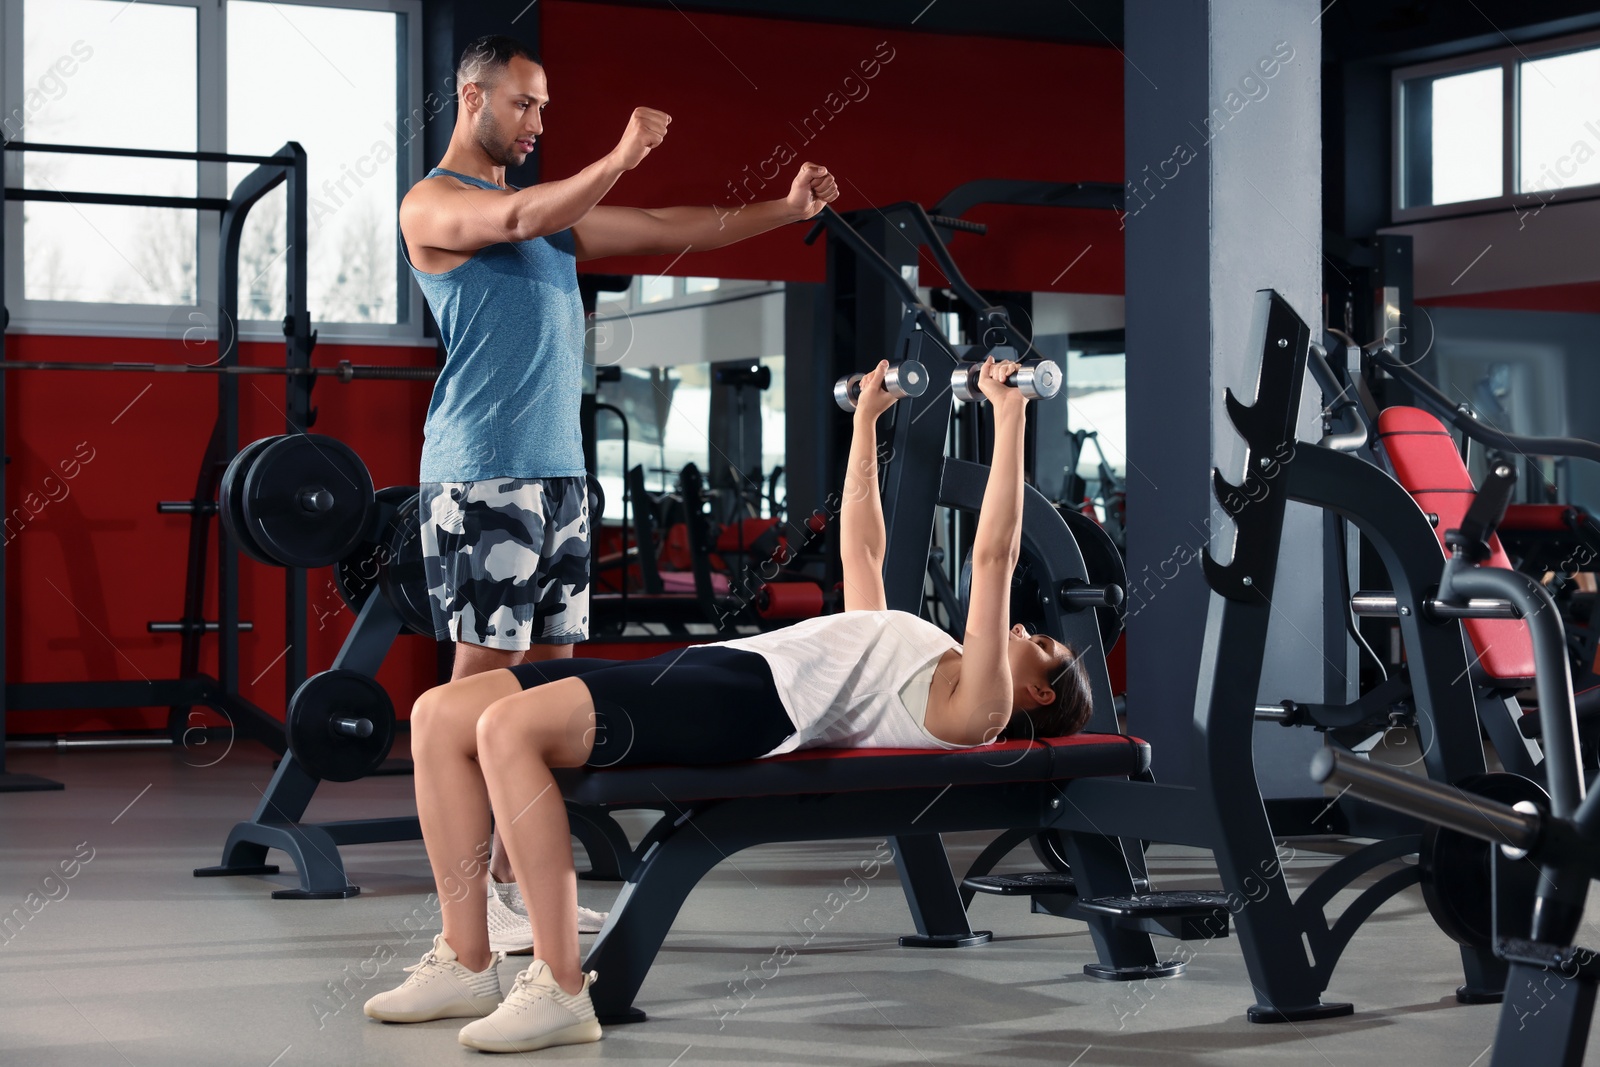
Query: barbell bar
{"x": 1387, "y": 605}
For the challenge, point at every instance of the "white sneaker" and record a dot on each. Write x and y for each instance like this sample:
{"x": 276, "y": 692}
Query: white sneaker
{"x": 439, "y": 988}
{"x": 509, "y": 931}
{"x": 536, "y": 1014}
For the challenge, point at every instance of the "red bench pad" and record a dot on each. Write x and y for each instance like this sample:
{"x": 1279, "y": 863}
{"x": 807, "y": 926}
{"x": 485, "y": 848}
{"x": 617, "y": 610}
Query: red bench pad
{"x": 851, "y": 770}
{"x": 1423, "y": 454}
{"x": 1540, "y": 518}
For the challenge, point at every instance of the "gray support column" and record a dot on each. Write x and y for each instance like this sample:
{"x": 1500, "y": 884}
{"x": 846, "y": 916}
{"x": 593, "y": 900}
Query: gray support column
{"x": 1223, "y": 164}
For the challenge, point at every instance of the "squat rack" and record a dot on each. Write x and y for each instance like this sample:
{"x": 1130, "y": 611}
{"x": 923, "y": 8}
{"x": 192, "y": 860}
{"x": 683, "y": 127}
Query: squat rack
{"x": 192, "y": 687}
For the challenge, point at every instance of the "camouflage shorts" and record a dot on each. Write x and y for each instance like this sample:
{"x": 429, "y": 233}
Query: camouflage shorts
{"x": 507, "y": 560}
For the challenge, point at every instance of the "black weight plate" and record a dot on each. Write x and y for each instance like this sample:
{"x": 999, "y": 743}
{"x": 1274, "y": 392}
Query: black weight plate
{"x": 402, "y": 577}
{"x": 277, "y": 484}
{"x": 1105, "y": 566}
{"x": 1455, "y": 868}
{"x": 597, "y": 501}
{"x": 1101, "y": 560}
{"x": 356, "y": 575}
{"x": 230, "y": 502}
{"x": 339, "y": 694}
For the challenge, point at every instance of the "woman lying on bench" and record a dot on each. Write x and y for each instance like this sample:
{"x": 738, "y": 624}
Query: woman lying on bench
{"x": 866, "y": 678}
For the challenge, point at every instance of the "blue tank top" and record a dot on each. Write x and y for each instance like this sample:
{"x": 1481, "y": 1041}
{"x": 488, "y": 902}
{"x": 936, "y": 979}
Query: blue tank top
{"x": 506, "y": 401}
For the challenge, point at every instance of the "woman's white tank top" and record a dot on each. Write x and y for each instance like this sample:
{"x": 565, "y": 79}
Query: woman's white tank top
{"x": 840, "y": 678}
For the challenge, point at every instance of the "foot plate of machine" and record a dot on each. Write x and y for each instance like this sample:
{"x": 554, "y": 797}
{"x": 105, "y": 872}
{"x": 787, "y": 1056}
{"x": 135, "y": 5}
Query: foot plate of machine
{"x": 977, "y": 937}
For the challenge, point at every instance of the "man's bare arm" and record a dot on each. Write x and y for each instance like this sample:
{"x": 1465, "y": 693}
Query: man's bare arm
{"x": 638, "y": 231}
{"x": 629, "y": 231}
{"x": 454, "y": 217}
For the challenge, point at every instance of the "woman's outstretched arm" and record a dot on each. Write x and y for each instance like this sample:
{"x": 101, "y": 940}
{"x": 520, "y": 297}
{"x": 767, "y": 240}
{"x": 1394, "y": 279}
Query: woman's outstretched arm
{"x": 862, "y": 540}
{"x": 981, "y": 705}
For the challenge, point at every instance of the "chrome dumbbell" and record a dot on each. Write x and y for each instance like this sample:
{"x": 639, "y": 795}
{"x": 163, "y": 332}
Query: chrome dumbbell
{"x": 1038, "y": 380}
{"x": 905, "y": 379}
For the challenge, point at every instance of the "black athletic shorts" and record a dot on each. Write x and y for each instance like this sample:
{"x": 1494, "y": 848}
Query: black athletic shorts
{"x": 699, "y": 704}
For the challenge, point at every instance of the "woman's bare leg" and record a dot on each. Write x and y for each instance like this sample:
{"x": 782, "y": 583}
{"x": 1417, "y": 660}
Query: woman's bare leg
{"x": 520, "y": 737}
{"x": 453, "y": 804}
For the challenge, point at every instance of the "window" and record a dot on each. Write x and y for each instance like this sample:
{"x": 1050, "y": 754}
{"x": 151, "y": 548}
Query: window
{"x": 1560, "y": 99}
{"x": 340, "y": 106}
{"x": 654, "y": 288}
{"x": 701, "y": 285}
{"x": 287, "y": 71}
{"x": 1511, "y": 128}
{"x": 1455, "y": 143}
{"x": 76, "y": 55}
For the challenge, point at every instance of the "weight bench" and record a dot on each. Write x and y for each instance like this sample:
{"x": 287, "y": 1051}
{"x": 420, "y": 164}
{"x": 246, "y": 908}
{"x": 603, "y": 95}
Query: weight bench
{"x": 1423, "y": 457}
{"x": 908, "y": 795}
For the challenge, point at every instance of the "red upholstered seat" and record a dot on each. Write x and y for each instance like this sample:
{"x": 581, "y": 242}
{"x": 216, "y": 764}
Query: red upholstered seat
{"x": 833, "y": 770}
{"x": 1425, "y": 461}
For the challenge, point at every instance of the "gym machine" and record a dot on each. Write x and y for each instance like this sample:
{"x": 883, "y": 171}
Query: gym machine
{"x": 1544, "y": 852}
{"x": 1290, "y": 946}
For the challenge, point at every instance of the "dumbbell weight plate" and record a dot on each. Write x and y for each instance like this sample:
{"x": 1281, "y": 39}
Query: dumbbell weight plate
{"x": 908, "y": 378}
{"x": 339, "y": 694}
{"x": 1455, "y": 869}
{"x": 402, "y": 577}
{"x": 1042, "y": 378}
{"x": 230, "y": 502}
{"x": 1105, "y": 566}
{"x": 844, "y": 391}
{"x": 356, "y": 575}
{"x": 277, "y": 487}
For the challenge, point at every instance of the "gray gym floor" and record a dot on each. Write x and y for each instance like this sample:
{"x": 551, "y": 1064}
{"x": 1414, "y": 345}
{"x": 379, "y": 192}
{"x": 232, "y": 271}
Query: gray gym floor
{"x": 136, "y": 962}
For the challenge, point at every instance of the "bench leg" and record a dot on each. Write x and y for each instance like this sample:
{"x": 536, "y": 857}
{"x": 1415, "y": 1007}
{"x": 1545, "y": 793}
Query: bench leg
{"x": 645, "y": 909}
{"x": 611, "y": 858}
{"x": 930, "y": 887}
{"x": 1100, "y": 869}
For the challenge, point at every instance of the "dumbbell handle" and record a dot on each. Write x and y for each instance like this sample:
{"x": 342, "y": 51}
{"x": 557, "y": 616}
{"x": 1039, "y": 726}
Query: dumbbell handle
{"x": 908, "y": 378}
{"x": 1038, "y": 380}
{"x": 350, "y": 727}
{"x": 316, "y": 498}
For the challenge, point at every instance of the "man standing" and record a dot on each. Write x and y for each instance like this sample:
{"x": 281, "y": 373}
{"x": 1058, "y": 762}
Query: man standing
{"x": 504, "y": 503}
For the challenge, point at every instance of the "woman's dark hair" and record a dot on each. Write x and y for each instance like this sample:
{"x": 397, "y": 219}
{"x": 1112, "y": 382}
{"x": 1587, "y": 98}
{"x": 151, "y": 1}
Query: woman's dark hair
{"x": 483, "y": 60}
{"x": 1067, "y": 715}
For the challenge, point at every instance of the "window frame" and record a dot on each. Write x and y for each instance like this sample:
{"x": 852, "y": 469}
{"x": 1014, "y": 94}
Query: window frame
{"x": 106, "y": 319}
{"x": 1509, "y": 60}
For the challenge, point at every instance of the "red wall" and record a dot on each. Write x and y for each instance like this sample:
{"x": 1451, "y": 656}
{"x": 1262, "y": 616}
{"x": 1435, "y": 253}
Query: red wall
{"x": 941, "y": 111}
{"x": 96, "y": 562}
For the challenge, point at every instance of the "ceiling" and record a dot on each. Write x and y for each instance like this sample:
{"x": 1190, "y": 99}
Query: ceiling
{"x": 1388, "y": 31}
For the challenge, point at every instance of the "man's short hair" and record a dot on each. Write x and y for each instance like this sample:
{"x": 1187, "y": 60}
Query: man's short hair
{"x": 484, "y": 60}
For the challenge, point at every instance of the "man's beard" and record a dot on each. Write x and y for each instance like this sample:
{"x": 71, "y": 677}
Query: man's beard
{"x": 493, "y": 141}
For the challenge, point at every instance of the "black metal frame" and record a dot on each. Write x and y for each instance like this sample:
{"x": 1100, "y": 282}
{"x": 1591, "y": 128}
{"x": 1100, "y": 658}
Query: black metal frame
{"x": 192, "y": 687}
